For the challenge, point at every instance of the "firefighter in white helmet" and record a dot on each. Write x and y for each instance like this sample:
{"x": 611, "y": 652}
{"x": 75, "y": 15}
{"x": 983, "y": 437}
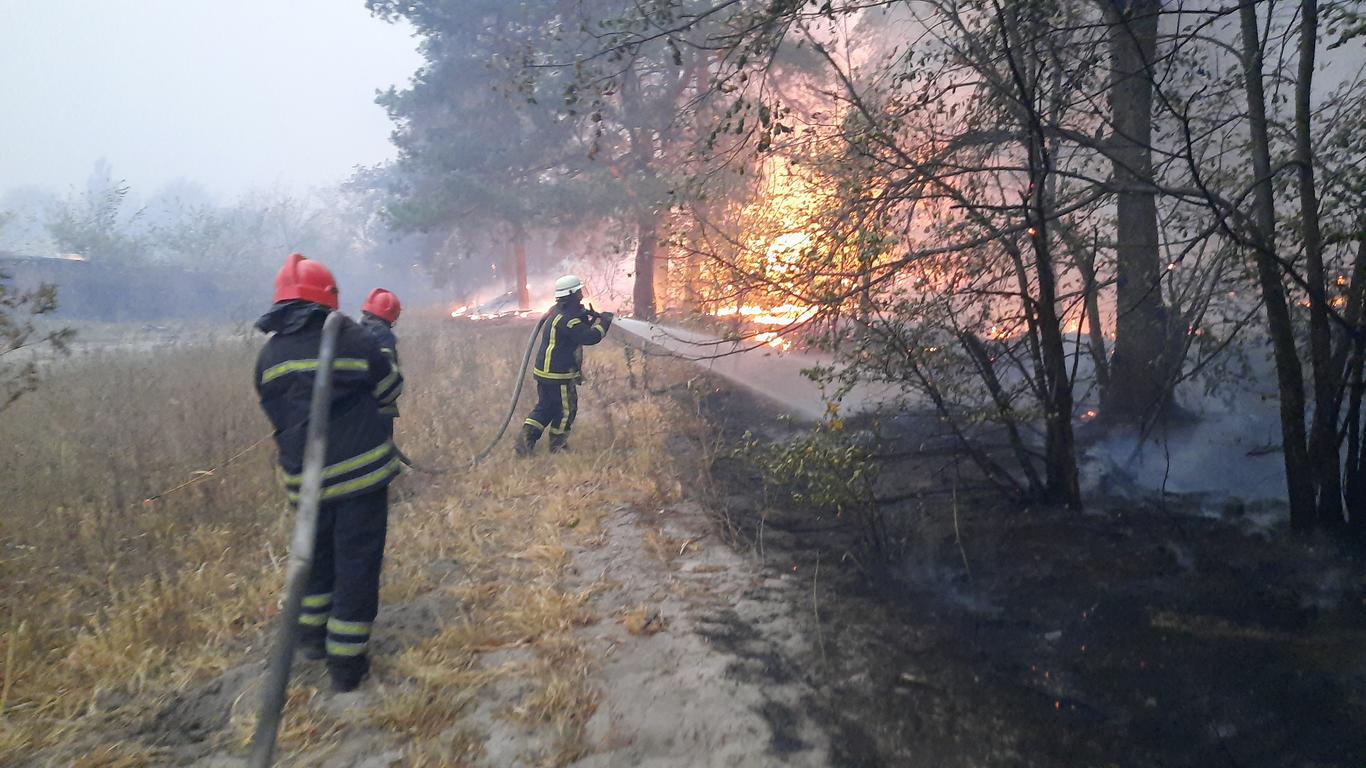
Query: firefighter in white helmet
{"x": 558, "y": 360}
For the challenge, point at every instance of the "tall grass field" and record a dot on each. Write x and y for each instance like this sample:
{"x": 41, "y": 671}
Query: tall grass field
{"x": 143, "y": 540}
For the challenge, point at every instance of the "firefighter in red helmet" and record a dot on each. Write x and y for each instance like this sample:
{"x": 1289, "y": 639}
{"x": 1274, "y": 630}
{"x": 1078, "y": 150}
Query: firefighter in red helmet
{"x": 343, "y": 586}
{"x": 378, "y": 316}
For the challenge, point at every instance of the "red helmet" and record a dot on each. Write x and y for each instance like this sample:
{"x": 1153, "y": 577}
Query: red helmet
{"x": 308, "y": 280}
{"x": 382, "y": 304}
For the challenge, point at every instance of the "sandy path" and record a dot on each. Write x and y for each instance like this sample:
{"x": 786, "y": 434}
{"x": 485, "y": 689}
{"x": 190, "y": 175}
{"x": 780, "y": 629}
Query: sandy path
{"x": 691, "y": 695}
{"x": 714, "y": 681}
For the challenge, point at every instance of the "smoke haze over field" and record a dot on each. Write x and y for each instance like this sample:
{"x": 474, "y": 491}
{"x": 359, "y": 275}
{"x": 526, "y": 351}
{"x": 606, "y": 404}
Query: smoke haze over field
{"x": 231, "y": 94}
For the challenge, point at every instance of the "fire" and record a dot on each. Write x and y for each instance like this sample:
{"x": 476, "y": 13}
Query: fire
{"x": 781, "y": 316}
{"x": 466, "y": 312}
{"x": 773, "y": 339}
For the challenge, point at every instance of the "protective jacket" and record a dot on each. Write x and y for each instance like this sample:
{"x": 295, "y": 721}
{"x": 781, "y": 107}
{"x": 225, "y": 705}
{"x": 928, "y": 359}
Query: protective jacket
{"x": 570, "y": 328}
{"x": 360, "y": 456}
{"x": 388, "y": 344}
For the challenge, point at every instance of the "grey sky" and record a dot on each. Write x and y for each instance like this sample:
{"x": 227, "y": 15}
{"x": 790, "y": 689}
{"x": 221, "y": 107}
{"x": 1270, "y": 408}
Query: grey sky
{"x": 233, "y": 94}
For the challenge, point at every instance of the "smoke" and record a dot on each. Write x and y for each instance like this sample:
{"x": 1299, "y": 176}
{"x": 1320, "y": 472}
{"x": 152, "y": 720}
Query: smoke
{"x": 1228, "y": 453}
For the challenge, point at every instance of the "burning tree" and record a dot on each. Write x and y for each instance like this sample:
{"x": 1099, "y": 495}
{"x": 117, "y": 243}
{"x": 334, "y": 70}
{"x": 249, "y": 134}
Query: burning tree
{"x": 1001, "y": 169}
{"x": 1024, "y": 214}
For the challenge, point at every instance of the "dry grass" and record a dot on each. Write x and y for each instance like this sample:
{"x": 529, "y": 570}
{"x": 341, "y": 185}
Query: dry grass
{"x": 108, "y": 598}
{"x": 510, "y": 526}
{"x": 109, "y": 606}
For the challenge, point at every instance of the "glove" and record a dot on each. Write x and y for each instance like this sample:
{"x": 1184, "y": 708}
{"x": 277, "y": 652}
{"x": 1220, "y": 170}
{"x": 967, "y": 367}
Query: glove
{"x": 606, "y": 318}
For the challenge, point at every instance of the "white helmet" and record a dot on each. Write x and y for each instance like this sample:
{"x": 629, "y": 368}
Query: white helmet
{"x": 567, "y": 285}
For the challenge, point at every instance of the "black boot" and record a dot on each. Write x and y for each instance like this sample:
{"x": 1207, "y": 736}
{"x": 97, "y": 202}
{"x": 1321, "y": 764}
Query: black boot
{"x": 526, "y": 441}
{"x": 347, "y": 672}
{"x": 313, "y": 642}
{"x": 559, "y": 443}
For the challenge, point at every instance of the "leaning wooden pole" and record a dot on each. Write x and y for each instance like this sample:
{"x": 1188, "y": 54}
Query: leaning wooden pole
{"x": 300, "y": 552}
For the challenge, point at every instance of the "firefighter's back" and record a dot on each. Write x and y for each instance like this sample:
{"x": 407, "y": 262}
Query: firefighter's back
{"x": 359, "y": 456}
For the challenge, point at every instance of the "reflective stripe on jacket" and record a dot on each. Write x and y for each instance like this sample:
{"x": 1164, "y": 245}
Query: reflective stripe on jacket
{"x": 360, "y": 456}
{"x": 388, "y": 344}
{"x": 569, "y": 329}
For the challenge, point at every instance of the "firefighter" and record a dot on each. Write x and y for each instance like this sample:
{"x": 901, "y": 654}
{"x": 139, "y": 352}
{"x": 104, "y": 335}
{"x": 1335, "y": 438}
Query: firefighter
{"x": 343, "y": 587}
{"x": 378, "y": 315}
{"x": 559, "y": 358}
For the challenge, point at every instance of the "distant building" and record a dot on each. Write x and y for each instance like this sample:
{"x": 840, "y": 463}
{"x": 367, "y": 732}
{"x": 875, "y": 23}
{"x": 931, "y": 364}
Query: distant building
{"x": 90, "y": 290}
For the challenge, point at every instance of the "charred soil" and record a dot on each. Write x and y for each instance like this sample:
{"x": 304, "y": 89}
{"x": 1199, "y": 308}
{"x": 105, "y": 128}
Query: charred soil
{"x": 1142, "y": 632}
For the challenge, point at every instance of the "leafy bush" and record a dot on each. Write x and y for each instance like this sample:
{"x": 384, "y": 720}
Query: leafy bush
{"x": 830, "y": 469}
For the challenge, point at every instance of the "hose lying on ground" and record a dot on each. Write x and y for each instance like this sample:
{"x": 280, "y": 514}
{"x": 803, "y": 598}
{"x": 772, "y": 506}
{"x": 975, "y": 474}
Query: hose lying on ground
{"x": 516, "y": 391}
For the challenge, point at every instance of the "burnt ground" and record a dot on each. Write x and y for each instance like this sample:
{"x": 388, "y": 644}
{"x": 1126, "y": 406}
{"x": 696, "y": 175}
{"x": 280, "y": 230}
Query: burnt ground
{"x": 1142, "y": 632}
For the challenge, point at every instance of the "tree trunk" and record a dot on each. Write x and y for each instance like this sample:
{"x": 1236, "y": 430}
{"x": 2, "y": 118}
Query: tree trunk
{"x": 661, "y": 266}
{"x": 692, "y": 269}
{"x": 1351, "y": 356}
{"x": 647, "y": 243}
{"x": 1290, "y": 379}
{"x": 1061, "y": 483}
{"x": 642, "y": 153}
{"x": 1138, "y": 376}
{"x": 1095, "y": 332}
{"x": 1005, "y": 410}
{"x": 519, "y": 267}
{"x": 1356, "y": 433}
{"x": 1060, "y": 455}
{"x": 1059, "y": 443}
{"x": 1324, "y": 456}
{"x": 1355, "y": 455}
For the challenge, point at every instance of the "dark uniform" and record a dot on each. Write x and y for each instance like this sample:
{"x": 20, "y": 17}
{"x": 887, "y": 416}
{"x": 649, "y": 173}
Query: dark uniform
{"x": 343, "y": 586}
{"x": 388, "y": 344}
{"x": 558, "y": 360}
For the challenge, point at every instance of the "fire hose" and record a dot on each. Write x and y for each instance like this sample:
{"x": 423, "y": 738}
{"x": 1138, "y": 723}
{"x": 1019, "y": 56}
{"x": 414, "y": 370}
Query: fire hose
{"x": 213, "y": 472}
{"x": 305, "y": 530}
{"x": 507, "y": 420}
{"x": 516, "y": 391}
{"x": 300, "y": 552}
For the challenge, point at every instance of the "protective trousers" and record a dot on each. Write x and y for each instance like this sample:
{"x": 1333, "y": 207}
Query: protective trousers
{"x": 343, "y": 585}
{"x": 557, "y": 404}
